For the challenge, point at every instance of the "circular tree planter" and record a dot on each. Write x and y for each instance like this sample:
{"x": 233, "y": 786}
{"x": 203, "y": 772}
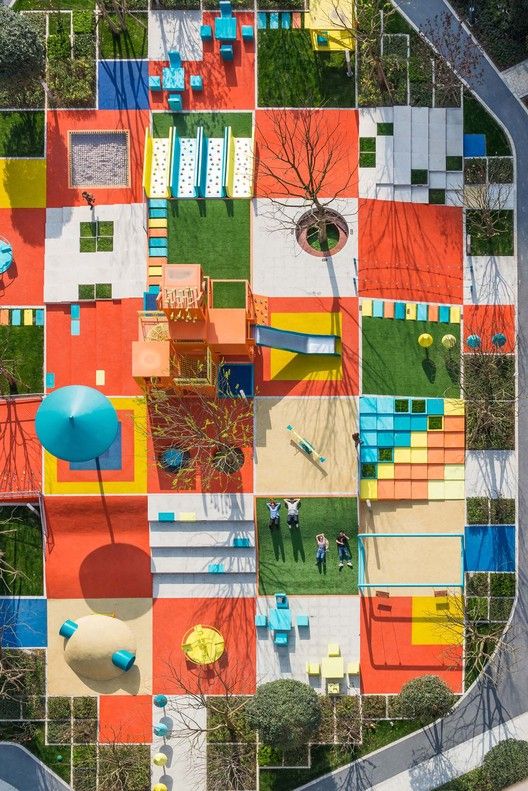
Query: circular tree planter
{"x": 174, "y": 460}
{"x": 307, "y": 235}
{"x": 228, "y": 461}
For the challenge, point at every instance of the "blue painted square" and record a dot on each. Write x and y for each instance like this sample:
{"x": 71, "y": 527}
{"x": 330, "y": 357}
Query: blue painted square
{"x": 122, "y": 85}
{"x": 109, "y": 460}
{"x": 75, "y": 311}
{"x": 23, "y": 623}
{"x": 418, "y": 423}
{"x": 399, "y": 310}
{"x": 367, "y": 422}
{"x": 402, "y": 439}
{"x": 421, "y": 312}
{"x": 149, "y": 301}
{"x": 385, "y": 439}
{"x": 385, "y": 423}
{"x": 402, "y": 422}
{"x": 368, "y": 454}
{"x": 240, "y": 377}
{"x": 489, "y": 548}
{"x": 262, "y": 20}
{"x": 385, "y": 405}
{"x": 166, "y": 516}
{"x": 16, "y": 318}
{"x": 474, "y": 145}
{"x": 274, "y": 21}
{"x": 368, "y": 405}
{"x": 39, "y": 318}
{"x": 377, "y": 309}
{"x": 435, "y": 406}
{"x": 369, "y": 438}
{"x": 75, "y": 327}
{"x": 286, "y": 20}
{"x": 444, "y": 314}
{"x": 50, "y": 380}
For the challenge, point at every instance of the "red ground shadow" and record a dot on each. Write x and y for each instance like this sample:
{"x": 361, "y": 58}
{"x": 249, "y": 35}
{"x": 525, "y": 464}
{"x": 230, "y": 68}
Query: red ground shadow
{"x": 349, "y": 383}
{"x": 236, "y": 670}
{"x": 486, "y": 321}
{"x": 161, "y": 481}
{"x": 23, "y": 283}
{"x": 281, "y": 135}
{"x": 227, "y": 85}
{"x": 105, "y": 343}
{"x": 125, "y": 718}
{"x": 60, "y": 122}
{"x": 20, "y": 450}
{"x": 97, "y": 548}
{"x": 388, "y": 658}
{"x": 410, "y": 251}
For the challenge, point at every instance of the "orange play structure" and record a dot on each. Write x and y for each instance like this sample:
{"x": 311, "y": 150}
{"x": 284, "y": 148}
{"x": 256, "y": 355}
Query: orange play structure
{"x": 180, "y": 340}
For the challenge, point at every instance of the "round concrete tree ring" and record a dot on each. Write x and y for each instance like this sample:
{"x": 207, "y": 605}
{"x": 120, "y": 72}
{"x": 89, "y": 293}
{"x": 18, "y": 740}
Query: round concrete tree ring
{"x": 337, "y": 229}
{"x": 97, "y": 638}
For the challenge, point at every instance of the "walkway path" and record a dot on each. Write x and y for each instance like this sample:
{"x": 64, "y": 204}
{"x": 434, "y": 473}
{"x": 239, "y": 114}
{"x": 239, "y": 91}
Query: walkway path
{"x": 21, "y": 771}
{"x": 487, "y": 705}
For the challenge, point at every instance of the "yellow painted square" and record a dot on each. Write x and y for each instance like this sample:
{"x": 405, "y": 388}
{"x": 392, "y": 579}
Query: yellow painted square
{"x": 292, "y": 367}
{"x": 436, "y": 490}
{"x": 410, "y": 311}
{"x": 368, "y": 490}
{"x": 454, "y": 472}
{"x": 418, "y": 439}
{"x": 418, "y": 455}
{"x": 454, "y": 314}
{"x": 157, "y": 222}
{"x": 28, "y": 317}
{"x": 138, "y": 485}
{"x": 155, "y": 270}
{"x": 366, "y": 307}
{"x": 454, "y": 490}
{"x": 22, "y": 184}
{"x": 453, "y": 406}
{"x": 100, "y": 377}
{"x": 402, "y": 455}
{"x": 187, "y": 516}
{"x": 437, "y": 620}
{"x": 385, "y": 472}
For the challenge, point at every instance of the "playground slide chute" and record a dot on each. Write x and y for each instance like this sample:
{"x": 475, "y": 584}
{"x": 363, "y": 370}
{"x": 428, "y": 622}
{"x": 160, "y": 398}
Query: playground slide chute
{"x": 299, "y": 342}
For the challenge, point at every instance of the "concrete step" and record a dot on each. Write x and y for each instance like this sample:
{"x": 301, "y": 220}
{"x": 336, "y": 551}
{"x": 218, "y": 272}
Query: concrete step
{"x": 202, "y": 507}
{"x": 202, "y": 524}
{"x": 165, "y": 535}
{"x": 191, "y": 586}
{"x": 187, "y": 561}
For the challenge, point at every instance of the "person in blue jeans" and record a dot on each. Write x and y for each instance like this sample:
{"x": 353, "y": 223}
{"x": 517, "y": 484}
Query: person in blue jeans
{"x": 322, "y": 548}
{"x": 343, "y": 550}
{"x": 274, "y": 509}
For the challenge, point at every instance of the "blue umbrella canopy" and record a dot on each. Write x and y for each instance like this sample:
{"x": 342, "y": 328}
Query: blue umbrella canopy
{"x": 76, "y": 423}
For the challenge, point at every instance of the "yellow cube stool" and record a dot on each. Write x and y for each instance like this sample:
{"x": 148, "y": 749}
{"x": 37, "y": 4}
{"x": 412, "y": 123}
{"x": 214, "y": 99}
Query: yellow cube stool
{"x": 333, "y": 649}
{"x": 332, "y": 688}
{"x": 313, "y": 668}
{"x": 353, "y": 668}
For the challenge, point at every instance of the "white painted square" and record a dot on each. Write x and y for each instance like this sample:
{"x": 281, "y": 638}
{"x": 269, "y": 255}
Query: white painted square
{"x": 490, "y": 280}
{"x": 100, "y": 377}
{"x": 175, "y": 30}
{"x": 186, "y": 749}
{"x": 491, "y": 473}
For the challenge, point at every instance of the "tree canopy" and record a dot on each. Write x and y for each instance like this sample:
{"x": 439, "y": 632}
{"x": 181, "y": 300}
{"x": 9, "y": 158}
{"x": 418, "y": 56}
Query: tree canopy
{"x": 285, "y": 713}
{"x": 22, "y": 54}
{"x": 425, "y": 699}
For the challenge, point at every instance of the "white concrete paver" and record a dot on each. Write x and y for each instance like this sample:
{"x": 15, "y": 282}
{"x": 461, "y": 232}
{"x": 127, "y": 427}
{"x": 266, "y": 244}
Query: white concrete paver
{"x": 491, "y": 473}
{"x": 185, "y": 769}
{"x": 516, "y": 78}
{"x": 490, "y": 280}
{"x": 175, "y": 30}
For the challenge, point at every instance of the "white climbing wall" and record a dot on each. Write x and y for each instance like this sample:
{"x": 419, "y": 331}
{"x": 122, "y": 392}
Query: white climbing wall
{"x": 159, "y": 186}
{"x": 186, "y": 168}
{"x": 215, "y": 152}
{"x": 243, "y": 168}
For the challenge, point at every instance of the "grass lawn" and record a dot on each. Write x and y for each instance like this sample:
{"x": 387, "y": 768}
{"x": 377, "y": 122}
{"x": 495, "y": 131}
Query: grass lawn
{"x": 394, "y": 363}
{"x": 287, "y": 557}
{"x": 23, "y": 351}
{"x": 213, "y": 233}
{"x": 478, "y": 121}
{"x": 489, "y": 391}
{"x": 21, "y": 547}
{"x": 53, "y": 5}
{"x": 481, "y": 242}
{"x": 229, "y": 295}
{"x": 291, "y": 74}
{"x": 22, "y": 134}
{"x": 213, "y": 123}
{"x": 130, "y": 44}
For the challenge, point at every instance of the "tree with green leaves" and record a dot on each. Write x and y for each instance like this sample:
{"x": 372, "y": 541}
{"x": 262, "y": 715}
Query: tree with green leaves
{"x": 285, "y": 712}
{"x": 22, "y": 54}
{"x": 504, "y": 764}
{"x": 425, "y": 699}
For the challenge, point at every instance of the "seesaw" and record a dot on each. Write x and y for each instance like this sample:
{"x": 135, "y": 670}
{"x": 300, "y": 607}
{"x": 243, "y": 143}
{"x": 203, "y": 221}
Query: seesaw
{"x": 304, "y": 445}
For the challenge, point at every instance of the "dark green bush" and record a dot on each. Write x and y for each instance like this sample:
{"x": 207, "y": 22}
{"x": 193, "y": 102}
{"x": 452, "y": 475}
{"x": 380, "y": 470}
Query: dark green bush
{"x": 84, "y": 45}
{"x": 505, "y": 764}
{"x": 83, "y": 22}
{"x": 500, "y": 609}
{"x": 59, "y": 708}
{"x": 374, "y": 707}
{"x": 285, "y": 712}
{"x": 502, "y": 511}
{"x": 503, "y": 584}
{"x": 477, "y": 511}
{"x": 22, "y": 55}
{"x": 59, "y": 47}
{"x": 477, "y": 584}
{"x": 425, "y": 699}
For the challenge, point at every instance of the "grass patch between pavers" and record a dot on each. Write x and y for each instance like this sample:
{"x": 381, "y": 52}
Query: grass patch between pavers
{"x": 213, "y": 124}
{"x": 131, "y": 44}
{"x": 213, "y": 233}
{"x": 23, "y": 350}
{"x": 394, "y": 363}
{"x": 489, "y": 392}
{"x": 501, "y": 243}
{"x": 22, "y": 134}
{"x": 21, "y": 548}
{"x": 291, "y": 74}
{"x": 229, "y": 295}
{"x": 477, "y": 120}
{"x": 287, "y": 557}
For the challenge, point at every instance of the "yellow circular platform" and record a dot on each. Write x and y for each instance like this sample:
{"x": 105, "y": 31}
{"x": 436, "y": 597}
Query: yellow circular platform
{"x": 203, "y": 645}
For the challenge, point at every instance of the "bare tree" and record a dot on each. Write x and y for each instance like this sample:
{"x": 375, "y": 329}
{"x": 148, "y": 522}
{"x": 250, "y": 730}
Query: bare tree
{"x": 123, "y": 767}
{"x": 116, "y": 14}
{"x": 447, "y": 37}
{"x": 487, "y": 197}
{"x": 300, "y": 160}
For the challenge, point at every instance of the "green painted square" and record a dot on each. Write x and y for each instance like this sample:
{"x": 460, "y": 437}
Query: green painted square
{"x": 418, "y": 407}
{"x": 367, "y": 144}
{"x": 435, "y": 423}
{"x": 437, "y": 197}
{"x": 385, "y": 129}
{"x": 87, "y": 245}
{"x": 287, "y": 557}
{"x": 369, "y": 470}
{"x": 103, "y": 291}
{"x": 385, "y": 454}
{"x": 401, "y": 405}
{"x": 86, "y": 291}
{"x": 88, "y": 229}
{"x": 420, "y": 177}
{"x": 105, "y": 244}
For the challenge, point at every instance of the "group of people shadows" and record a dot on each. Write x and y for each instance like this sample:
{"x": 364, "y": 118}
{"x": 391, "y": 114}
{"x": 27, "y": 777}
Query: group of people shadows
{"x": 322, "y": 544}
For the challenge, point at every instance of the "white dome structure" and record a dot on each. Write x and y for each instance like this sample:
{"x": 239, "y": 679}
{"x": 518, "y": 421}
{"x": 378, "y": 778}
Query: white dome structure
{"x": 91, "y": 649}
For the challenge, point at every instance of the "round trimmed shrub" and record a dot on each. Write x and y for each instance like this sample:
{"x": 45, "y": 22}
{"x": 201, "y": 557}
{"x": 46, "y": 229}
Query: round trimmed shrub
{"x": 22, "y": 55}
{"x": 505, "y": 764}
{"x": 425, "y": 699}
{"x": 286, "y": 713}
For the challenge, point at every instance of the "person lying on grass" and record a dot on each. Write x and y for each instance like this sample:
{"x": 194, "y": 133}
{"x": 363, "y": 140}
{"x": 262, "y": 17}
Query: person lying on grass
{"x": 293, "y": 504}
{"x": 322, "y": 548}
{"x": 274, "y": 508}
{"x": 343, "y": 550}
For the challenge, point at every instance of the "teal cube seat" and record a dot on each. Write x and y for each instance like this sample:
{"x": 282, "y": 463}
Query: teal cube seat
{"x": 226, "y": 52}
{"x": 281, "y": 638}
{"x": 261, "y": 620}
{"x": 216, "y": 568}
{"x": 303, "y": 620}
{"x": 248, "y": 33}
{"x": 322, "y": 39}
{"x": 154, "y": 82}
{"x": 157, "y": 214}
{"x": 165, "y": 516}
{"x": 241, "y": 542}
{"x": 157, "y": 203}
{"x": 196, "y": 82}
{"x": 175, "y": 102}
{"x": 206, "y": 32}
{"x": 157, "y": 241}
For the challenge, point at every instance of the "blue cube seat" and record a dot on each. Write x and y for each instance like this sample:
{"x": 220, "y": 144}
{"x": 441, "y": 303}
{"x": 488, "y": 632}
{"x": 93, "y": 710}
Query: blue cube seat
{"x": 281, "y": 638}
{"x": 196, "y": 82}
{"x": 215, "y": 568}
{"x": 241, "y": 542}
{"x": 154, "y": 82}
{"x": 247, "y": 32}
{"x": 175, "y": 102}
{"x": 206, "y": 32}
{"x": 322, "y": 39}
{"x": 226, "y": 52}
{"x": 303, "y": 620}
{"x": 261, "y": 620}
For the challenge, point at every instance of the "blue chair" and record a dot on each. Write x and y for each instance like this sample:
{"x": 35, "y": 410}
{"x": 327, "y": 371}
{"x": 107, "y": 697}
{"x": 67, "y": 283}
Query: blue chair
{"x": 261, "y": 620}
{"x": 322, "y": 39}
{"x": 175, "y": 102}
{"x": 303, "y": 621}
{"x": 281, "y": 601}
{"x": 154, "y": 82}
{"x": 175, "y": 59}
{"x": 206, "y": 32}
{"x": 226, "y": 52}
{"x": 248, "y": 33}
{"x": 281, "y": 638}
{"x": 196, "y": 82}
{"x": 225, "y": 8}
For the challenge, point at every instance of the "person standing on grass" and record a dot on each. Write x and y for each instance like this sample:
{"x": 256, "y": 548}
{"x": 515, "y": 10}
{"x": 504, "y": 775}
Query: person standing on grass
{"x": 322, "y": 548}
{"x": 274, "y": 508}
{"x": 293, "y": 504}
{"x": 343, "y": 550}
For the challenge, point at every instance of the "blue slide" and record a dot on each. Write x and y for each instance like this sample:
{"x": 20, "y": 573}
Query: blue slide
{"x": 299, "y": 342}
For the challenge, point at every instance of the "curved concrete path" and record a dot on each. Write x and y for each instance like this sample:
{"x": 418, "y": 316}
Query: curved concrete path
{"x": 20, "y": 770}
{"x": 491, "y": 702}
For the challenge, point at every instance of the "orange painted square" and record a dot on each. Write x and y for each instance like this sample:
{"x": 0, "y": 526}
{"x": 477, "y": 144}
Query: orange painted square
{"x": 402, "y": 490}
{"x": 388, "y": 310}
{"x": 336, "y": 131}
{"x": 454, "y": 423}
{"x": 435, "y": 439}
{"x": 20, "y": 449}
{"x": 454, "y": 456}
{"x": 23, "y": 282}
{"x": 487, "y": 320}
{"x": 435, "y": 456}
{"x": 432, "y": 313}
{"x": 419, "y": 472}
{"x": 386, "y": 490}
{"x": 402, "y": 472}
{"x": 419, "y": 490}
{"x": 454, "y": 439}
{"x": 125, "y": 718}
{"x": 435, "y": 472}
{"x": 161, "y": 233}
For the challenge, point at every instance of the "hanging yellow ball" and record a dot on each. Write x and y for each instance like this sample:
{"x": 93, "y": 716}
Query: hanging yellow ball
{"x": 448, "y": 341}
{"x": 160, "y": 759}
{"x": 425, "y": 340}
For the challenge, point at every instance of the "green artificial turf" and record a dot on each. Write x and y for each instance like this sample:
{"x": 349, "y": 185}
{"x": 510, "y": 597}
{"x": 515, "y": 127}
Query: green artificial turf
{"x": 213, "y": 123}
{"x": 229, "y": 295}
{"x": 287, "y": 557}
{"x": 478, "y": 121}
{"x": 213, "y": 233}
{"x": 291, "y": 74}
{"x": 21, "y": 549}
{"x": 22, "y": 134}
{"x": 394, "y": 363}
{"x": 22, "y": 349}
{"x": 53, "y": 5}
{"x": 133, "y": 43}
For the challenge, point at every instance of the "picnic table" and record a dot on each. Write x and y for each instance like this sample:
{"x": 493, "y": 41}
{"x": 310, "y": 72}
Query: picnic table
{"x": 280, "y": 620}
{"x": 333, "y": 667}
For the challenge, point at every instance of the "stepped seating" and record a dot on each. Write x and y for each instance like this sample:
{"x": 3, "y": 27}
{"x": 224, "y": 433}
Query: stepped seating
{"x": 157, "y": 228}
